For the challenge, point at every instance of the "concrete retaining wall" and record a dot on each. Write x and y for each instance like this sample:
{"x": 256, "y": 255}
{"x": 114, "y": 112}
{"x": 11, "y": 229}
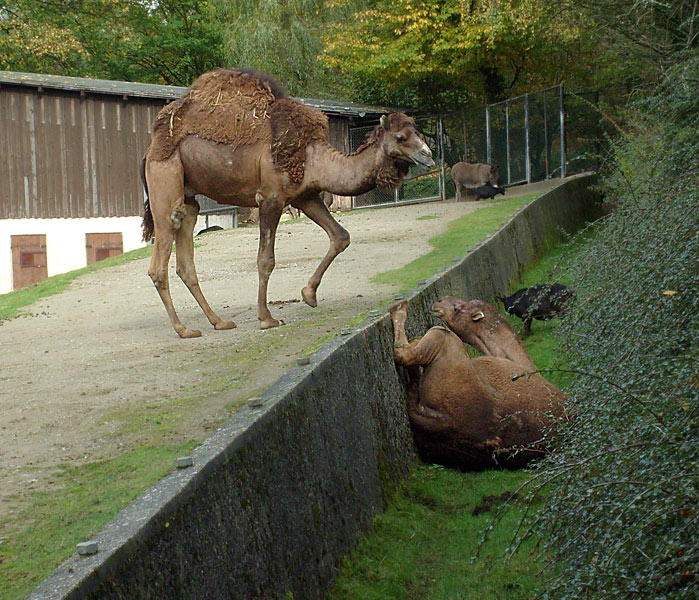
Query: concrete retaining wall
{"x": 277, "y": 496}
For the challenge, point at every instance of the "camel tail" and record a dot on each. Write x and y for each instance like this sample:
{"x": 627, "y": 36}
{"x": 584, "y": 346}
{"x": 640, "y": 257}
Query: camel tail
{"x": 147, "y": 225}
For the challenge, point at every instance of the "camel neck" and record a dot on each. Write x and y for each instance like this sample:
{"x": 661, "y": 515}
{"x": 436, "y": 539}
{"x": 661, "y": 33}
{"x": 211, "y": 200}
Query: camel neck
{"x": 512, "y": 349}
{"x": 342, "y": 174}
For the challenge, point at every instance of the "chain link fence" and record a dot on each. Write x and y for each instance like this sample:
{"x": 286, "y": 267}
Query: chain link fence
{"x": 420, "y": 184}
{"x": 532, "y": 137}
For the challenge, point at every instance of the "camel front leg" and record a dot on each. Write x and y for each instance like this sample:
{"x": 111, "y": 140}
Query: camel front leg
{"x": 270, "y": 213}
{"x": 411, "y": 354}
{"x": 315, "y": 209}
{"x": 404, "y": 351}
{"x": 184, "y": 244}
{"x": 166, "y": 200}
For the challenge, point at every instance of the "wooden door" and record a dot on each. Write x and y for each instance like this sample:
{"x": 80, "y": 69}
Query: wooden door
{"x": 102, "y": 245}
{"x": 28, "y": 259}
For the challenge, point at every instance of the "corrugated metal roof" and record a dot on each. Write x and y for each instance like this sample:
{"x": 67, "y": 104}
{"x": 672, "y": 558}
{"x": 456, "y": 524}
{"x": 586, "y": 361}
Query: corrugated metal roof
{"x": 168, "y": 92}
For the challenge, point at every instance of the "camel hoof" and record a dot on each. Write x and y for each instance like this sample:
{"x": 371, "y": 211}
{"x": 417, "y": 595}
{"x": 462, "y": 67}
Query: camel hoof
{"x": 309, "y": 296}
{"x": 269, "y": 323}
{"x": 400, "y": 310}
{"x": 189, "y": 333}
{"x": 225, "y": 325}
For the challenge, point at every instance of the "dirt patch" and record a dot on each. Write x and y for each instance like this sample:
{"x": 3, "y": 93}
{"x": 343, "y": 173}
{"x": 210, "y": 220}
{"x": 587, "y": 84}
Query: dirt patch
{"x": 97, "y": 369}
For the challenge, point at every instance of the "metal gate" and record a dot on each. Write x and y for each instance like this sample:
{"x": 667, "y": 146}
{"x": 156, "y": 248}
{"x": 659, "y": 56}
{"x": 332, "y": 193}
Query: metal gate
{"x": 420, "y": 184}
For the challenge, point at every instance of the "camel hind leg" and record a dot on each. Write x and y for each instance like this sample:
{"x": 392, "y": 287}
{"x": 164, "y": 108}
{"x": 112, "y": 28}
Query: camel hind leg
{"x": 165, "y": 184}
{"x": 316, "y": 210}
{"x": 184, "y": 247}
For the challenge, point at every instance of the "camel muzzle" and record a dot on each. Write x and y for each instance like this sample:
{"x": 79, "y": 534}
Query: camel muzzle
{"x": 424, "y": 158}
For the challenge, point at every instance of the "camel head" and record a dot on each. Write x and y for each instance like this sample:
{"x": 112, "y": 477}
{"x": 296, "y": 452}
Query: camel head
{"x": 476, "y": 322}
{"x": 400, "y": 145}
{"x": 402, "y": 141}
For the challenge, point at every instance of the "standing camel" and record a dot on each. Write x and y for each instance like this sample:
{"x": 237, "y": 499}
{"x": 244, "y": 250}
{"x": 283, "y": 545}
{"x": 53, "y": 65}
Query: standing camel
{"x": 238, "y": 139}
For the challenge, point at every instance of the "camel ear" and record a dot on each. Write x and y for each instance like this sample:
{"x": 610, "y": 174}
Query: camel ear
{"x": 384, "y": 122}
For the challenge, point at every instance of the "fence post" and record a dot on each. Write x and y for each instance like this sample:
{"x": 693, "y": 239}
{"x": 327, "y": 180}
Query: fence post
{"x": 488, "y": 150}
{"x": 561, "y": 109}
{"x": 440, "y": 154}
{"x": 463, "y": 127}
{"x": 507, "y": 138}
{"x": 547, "y": 155}
{"x": 528, "y": 166}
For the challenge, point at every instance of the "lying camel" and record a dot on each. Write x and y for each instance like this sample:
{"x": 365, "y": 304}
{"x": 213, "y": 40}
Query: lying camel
{"x": 469, "y": 412}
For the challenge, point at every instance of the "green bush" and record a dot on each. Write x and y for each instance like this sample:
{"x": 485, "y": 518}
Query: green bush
{"x": 621, "y": 521}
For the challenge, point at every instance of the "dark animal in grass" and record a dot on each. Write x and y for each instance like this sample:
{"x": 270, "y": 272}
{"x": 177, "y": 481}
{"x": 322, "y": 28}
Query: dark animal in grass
{"x": 542, "y": 302}
{"x": 488, "y": 191}
{"x": 210, "y": 229}
{"x": 475, "y": 413}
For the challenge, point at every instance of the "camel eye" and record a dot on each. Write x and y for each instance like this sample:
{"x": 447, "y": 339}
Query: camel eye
{"x": 478, "y": 316}
{"x": 400, "y": 138}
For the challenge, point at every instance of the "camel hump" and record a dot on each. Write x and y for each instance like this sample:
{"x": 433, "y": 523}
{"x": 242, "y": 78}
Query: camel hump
{"x": 239, "y": 108}
{"x": 228, "y": 106}
{"x": 224, "y": 87}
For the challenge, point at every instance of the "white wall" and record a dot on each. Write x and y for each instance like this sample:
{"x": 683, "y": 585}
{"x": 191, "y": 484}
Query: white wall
{"x": 65, "y": 241}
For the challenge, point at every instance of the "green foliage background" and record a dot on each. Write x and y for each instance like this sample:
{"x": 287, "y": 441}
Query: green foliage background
{"x": 621, "y": 521}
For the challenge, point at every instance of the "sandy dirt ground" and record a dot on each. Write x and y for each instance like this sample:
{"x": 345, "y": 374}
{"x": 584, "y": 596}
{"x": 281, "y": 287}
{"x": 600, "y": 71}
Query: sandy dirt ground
{"x": 81, "y": 367}
{"x": 97, "y": 369}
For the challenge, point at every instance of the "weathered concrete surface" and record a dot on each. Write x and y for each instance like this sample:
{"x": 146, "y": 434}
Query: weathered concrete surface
{"x": 278, "y": 495}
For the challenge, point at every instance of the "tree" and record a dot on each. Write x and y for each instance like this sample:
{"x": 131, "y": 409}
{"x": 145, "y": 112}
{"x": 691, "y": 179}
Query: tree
{"x": 284, "y": 38}
{"x": 453, "y": 52}
{"x": 642, "y": 39}
{"x": 157, "y": 41}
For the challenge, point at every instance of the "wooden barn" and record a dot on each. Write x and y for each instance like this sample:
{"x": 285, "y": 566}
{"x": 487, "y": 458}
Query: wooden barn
{"x": 70, "y": 151}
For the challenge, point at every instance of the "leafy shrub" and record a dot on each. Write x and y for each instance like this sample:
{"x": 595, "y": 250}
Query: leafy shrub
{"x": 621, "y": 521}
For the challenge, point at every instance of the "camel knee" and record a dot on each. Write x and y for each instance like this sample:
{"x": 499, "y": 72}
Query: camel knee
{"x": 342, "y": 241}
{"x": 176, "y": 218}
{"x": 266, "y": 266}
{"x": 187, "y": 274}
{"x": 159, "y": 278}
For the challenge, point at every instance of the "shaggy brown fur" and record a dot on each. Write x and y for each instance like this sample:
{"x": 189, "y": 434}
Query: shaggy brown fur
{"x": 239, "y": 108}
{"x": 294, "y": 127}
{"x": 471, "y": 413}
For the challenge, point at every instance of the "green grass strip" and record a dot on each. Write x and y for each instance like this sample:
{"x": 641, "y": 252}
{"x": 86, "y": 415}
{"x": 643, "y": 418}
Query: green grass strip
{"x": 462, "y": 233}
{"x": 44, "y": 533}
{"x": 423, "y": 546}
{"x": 12, "y": 302}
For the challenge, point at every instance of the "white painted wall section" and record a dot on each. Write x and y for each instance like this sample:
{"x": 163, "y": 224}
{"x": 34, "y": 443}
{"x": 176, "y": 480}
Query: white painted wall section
{"x": 65, "y": 241}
